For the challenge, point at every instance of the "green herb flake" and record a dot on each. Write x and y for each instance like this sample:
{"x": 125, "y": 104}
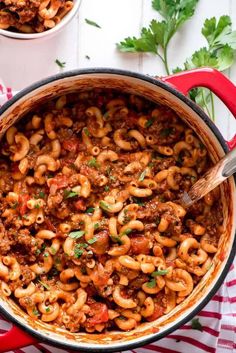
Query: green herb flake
{"x": 149, "y": 122}
{"x": 151, "y": 283}
{"x": 104, "y": 205}
{"x": 92, "y": 240}
{"x": 166, "y": 132}
{"x": 127, "y": 231}
{"x": 116, "y": 239}
{"x": 37, "y": 205}
{"x": 35, "y": 312}
{"x": 92, "y": 23}
{"x": 196, "y": 325}
{"x": 76, "y": 234}
{"x": 45, "y": 285}
{"x": 37, "y": 252}
{"x": 46, "y": 254}
{"x": 68, "y": 194}
{"x": 106, "y": 188}
{"x": 138, "y": 201}
{"x": 93, "y": 163}
{"x": 53, "y": 250}
{"x": 159, "y": 273}
{"x": 47, "y": 309}
{"x": 60, "y": 63}
{"x": 86, "y": 131}
{"x": 142, "y": 175}
{"x": 90, "y": 210}
{"x": 41, "y": 195}
{"x": 96, "y": 226}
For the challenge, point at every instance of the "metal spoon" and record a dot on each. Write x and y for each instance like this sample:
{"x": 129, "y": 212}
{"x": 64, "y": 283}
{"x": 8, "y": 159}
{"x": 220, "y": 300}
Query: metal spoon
{"x": 211, "y": 179}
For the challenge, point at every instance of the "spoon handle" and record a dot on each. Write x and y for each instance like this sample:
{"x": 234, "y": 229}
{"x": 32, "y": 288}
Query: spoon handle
{"x": 211, "y": 179}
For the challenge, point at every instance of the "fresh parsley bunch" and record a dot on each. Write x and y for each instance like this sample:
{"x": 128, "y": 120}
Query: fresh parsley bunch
{"x": 219, "y": 52}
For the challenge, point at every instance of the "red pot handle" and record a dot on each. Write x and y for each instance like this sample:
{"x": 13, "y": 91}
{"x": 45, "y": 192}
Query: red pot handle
{"x": 15, "y": 338}
{"x": 209, "y": 78}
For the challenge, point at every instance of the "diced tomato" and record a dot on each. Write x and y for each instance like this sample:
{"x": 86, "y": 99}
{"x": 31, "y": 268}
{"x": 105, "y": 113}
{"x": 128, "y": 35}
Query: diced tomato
{"x": 139, "y": 245}
{"x": 158, "y": 312}
{"x": 23, "y": 203}
{"x": 71, "y": 144}
{"x": 102, "y": 243}
{"x": 60, "y": 181}
{"x": 99, "y": 314}
{"x": 80, "y": 205}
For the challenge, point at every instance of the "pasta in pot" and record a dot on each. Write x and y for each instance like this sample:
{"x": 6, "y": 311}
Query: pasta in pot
{"x": 92, "y": 235}
{"x": 30, "y": 16}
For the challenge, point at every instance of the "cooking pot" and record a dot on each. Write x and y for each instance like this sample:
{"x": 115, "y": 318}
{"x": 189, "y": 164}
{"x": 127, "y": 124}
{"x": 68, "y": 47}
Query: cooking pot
{"x": 170, "y": 91}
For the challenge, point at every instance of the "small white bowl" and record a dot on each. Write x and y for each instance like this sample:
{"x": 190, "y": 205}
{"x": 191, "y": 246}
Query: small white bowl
{"x": 68, "y": 17}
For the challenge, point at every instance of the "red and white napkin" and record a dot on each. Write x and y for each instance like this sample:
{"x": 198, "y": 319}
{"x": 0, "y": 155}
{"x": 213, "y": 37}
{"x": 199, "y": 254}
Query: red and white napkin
{"x": 218, "y": 318}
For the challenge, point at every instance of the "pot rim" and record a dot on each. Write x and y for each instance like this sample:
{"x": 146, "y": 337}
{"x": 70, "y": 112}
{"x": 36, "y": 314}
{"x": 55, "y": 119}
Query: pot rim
{"x": 134, "y": 343}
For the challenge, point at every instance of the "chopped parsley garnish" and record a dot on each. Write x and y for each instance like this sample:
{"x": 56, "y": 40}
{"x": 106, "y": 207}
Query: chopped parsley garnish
{"x": 47, "y": 309}
{"x": 77, "y": 234}
{"x": 116, "y": 239}
{"x": 79, "y": 249}
{"x": 93, "y": 163}
{"x": 41, "y": 194}
{"x": 196, "y": 325}
{"x": 37, "y": 252}
{"x": 86, "y": 131}
{"x": 60, "y": 63}
{"x": 166, "y": 132}
{"x": 151, "y": 283}
{"x": 46, "y": 254}
{"x": 90, "y": 210}
{"x": 35, "y": 312}
{"x": 106, "y": 188}
{"x": 96, "y": 226}
{"x": 138, "y": 201}
{"x": 53, "y": 250}
{"x": 92, "y": 240}
{"x": 159, "y": 273}
{"x": 92, "y": 23}
{"x": 45, "y": 285}
{"x": 37, "y": 205}
{"x": 112, "y": 177}
{"x": 104, "y": 205}
{"x": 127, "y": 231}
{"x": 142, "y": 175}
{"x": 149, "y": 122}
{"x": 68, "y": 194}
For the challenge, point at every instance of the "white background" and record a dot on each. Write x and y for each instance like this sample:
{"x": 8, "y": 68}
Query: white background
{"x": 23, "y": 62}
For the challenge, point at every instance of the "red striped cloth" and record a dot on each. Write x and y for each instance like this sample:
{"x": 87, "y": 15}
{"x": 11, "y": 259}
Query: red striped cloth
{"x": 218, "y": 319}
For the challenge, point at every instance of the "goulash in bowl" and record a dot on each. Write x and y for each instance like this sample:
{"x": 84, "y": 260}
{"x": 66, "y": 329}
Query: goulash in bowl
{"x": 93, "y": 238}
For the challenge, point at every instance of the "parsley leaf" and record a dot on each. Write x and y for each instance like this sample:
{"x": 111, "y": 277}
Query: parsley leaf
{"x": 104, "y": 206}
{"x": 142, "y": 175}
{"x": 60, "y": 63}
{"x": 149, "y": 122}
{"x": 159, "y": 273}
{"x": 93, "y": 163}
{"x": 41, "y": 194}
{"x": 69, "y": 194}
{"x": 77, "y": 234}
{"x": 151, "y": 283}
{"x": 159, "y": 33}
{"x": 90, "y": 210}
{"x": 116, "y": 239}
{"x": 196, "y": 325}
{"x": 91, "y": 23}
{"x": 92, "y": 240}
{"x": 45, "y": 285}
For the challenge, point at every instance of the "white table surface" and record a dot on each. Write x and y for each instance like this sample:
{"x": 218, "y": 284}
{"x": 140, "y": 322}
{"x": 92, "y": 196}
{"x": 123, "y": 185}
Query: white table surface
{"x": 24, "y": 62}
